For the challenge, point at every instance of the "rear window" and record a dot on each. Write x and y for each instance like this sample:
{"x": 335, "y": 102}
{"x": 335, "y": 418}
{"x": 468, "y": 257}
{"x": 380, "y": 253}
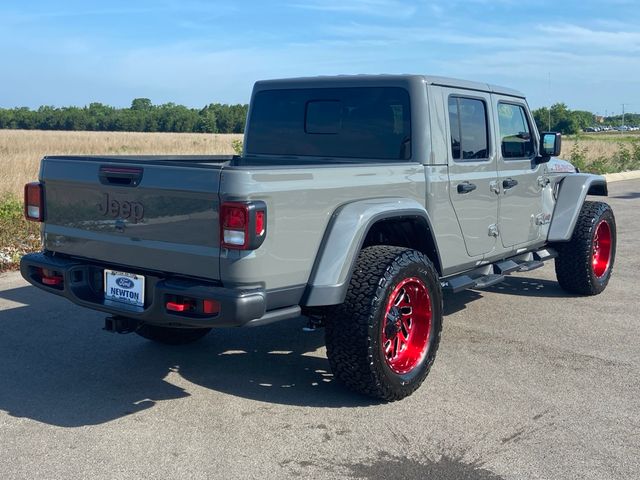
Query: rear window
{"x": 366, "y": 122}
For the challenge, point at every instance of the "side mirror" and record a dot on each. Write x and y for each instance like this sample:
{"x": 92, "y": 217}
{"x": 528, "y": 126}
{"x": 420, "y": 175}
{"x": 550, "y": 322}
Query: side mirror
{"x": 550, "y": 146}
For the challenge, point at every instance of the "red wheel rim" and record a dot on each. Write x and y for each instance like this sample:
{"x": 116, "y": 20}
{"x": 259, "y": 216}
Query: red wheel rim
{"x": 407, "y": 325}
{"x": 601, "y": 249}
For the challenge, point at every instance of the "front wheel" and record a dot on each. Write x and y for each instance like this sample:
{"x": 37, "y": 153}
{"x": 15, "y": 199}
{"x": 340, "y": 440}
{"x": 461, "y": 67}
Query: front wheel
{"x": 584, "y": 264}
{"x": 383, "y": 339}
{"x": 171, "y": 335}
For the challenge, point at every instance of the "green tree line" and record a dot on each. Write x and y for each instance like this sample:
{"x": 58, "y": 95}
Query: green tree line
{"x": 142, "y": 116}
{"x": 569, "y": 121}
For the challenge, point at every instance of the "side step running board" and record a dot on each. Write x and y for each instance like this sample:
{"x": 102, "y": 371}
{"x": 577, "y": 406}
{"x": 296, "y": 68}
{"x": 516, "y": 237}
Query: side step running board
{"x": 528, "y": 266}
{"x": 488, "y": 280}
{"x": 491, "y": 274}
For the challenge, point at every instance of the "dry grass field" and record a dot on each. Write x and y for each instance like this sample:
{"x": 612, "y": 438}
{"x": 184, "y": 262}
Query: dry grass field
{"x": 603, "y": 152}
{"x": 21, "y": 150}
{"x": 597, "y": 145}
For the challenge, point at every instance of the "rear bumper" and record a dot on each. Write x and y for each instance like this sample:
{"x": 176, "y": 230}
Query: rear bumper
{"x": 83, "y": 284}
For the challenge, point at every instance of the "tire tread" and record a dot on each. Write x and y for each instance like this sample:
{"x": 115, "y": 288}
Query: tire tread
{"x": 350, "y": 325}
{"x": 573, "y": 265}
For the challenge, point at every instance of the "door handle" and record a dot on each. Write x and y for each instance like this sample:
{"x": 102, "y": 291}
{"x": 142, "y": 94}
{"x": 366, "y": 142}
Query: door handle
{"x": 466, "y": 187}
{"x": 509, "y": 183}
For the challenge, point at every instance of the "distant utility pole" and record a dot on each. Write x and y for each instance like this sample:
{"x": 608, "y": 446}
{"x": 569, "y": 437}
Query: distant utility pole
{"x": 623, "y": 105}
{"x": 549, "y": 93}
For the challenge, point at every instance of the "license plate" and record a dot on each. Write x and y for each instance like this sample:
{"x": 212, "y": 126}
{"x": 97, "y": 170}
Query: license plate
{"x": 124, "y": 287}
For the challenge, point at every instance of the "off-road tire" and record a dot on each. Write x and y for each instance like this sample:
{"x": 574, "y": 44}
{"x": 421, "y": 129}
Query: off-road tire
{"x": 354, "y": 329}
{"x": 171, "y": 335}
{"x": 575, "y": 268}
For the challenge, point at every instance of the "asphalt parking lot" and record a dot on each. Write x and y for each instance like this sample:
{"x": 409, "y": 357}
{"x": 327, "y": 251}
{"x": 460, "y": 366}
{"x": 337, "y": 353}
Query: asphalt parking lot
{"x": 529, "y": 383}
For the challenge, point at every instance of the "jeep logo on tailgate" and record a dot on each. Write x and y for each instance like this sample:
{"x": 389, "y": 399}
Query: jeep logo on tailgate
{"x": 124, "y": 283}
{"x": 111, "y": 207}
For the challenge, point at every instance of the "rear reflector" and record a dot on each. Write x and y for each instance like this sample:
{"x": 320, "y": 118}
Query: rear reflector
{"x": 50, "y": 278}
{"x": 33, "y": 202}
{"x": 191, "y": 306}
{"x": 178, "y": 307}
{"x": 52, "y": 281}
{"x": 210, "y": 306}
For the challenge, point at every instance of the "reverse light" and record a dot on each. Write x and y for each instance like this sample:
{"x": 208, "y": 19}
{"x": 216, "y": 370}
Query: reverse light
{"x": 33, "y": 202}
{"x": 243, "y": 225}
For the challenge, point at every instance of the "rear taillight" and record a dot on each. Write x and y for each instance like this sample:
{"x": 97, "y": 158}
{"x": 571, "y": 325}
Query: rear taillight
{"x": 33, "y": 202}
{"x": 243, "y": 225}
{"x": 235, "y": 225}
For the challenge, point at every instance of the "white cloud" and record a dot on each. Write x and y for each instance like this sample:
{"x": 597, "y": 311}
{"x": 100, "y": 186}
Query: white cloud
{"x": 570, "y": 34}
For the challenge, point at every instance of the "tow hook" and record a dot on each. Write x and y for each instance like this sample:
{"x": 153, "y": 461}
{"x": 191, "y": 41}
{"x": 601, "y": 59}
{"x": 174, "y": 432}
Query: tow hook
{"x": 120, "y": 325}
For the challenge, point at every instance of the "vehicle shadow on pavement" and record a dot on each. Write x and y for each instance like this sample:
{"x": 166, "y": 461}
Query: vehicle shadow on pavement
{"x": 530, "y": 287}
{"x": 455, "y": 302}
{"x": 513, "y": 285}
{"x": 628, "y": 196}
{"x": 60, "y": 368}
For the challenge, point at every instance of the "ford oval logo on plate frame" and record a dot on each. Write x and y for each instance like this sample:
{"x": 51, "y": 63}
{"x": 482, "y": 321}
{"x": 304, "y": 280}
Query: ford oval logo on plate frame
{"x": 123, "y": 288}
{"x": 124, "y": 283}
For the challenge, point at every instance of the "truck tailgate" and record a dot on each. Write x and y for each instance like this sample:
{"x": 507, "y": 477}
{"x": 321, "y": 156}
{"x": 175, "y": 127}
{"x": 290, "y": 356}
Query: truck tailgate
{"x": 146, "y": 214}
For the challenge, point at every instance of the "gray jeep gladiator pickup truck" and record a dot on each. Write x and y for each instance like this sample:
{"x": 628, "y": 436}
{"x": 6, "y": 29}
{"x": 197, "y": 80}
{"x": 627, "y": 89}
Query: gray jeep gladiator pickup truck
{"x": 356, "y": 202}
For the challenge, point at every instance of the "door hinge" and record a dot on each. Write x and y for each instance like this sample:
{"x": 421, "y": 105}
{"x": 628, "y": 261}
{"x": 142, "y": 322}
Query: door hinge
{"x": 493, "y": 230}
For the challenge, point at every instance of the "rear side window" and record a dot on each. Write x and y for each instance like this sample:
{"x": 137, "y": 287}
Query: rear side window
{"x": 469, "y": 130}
{"x": 366, "y": 122}
{"x": 515, "y": 135}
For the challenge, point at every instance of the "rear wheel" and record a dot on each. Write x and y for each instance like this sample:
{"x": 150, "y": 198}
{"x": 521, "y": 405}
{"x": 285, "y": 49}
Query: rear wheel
{"x": 383, "y": 339}
{"x": 171, "y": 335}
{"x": 585, "y": 263}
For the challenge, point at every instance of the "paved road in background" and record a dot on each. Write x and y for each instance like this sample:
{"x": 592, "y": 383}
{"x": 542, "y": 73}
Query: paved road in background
{"x": 529, "y": 383}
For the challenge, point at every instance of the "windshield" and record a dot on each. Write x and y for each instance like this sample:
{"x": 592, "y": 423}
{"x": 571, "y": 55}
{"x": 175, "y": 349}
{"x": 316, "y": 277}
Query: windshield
{"x": 356, "y": 122}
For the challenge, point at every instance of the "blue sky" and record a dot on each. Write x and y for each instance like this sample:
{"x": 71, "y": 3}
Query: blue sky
{"x": 197, "y": 52}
